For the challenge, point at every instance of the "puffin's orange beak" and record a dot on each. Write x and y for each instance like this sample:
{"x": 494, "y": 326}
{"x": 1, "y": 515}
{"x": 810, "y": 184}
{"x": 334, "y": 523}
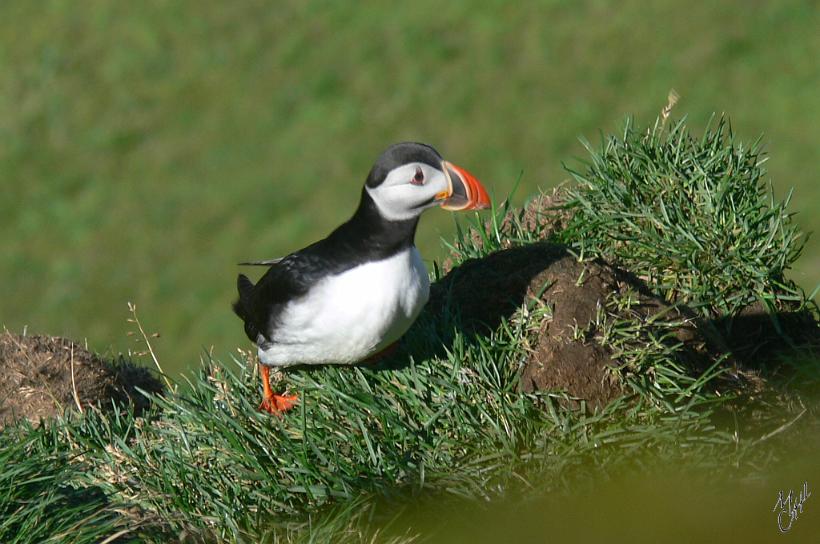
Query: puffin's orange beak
{"x": 466, "y": 193}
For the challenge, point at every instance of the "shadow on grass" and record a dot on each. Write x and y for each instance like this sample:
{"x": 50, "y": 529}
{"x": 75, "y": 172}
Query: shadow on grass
{"x": 757, "y": 336}
{"x": 477, "y": 296}
{"x": 474, "y": 299}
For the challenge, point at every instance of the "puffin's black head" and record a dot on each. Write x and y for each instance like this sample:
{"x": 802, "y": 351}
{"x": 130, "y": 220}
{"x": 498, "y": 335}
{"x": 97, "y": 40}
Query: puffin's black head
{"x": 410, "y": 177}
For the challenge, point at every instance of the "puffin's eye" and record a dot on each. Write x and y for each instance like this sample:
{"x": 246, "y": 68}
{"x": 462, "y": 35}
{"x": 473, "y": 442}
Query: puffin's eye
{"x": 418, "y": 179}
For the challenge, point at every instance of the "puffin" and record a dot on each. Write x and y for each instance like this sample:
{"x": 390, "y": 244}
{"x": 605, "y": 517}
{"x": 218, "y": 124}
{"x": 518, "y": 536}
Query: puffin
{"x": 350, "y": 297}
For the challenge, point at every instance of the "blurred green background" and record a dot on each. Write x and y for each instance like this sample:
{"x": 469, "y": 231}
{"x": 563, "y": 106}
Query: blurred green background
{"x": 146, "y": 147}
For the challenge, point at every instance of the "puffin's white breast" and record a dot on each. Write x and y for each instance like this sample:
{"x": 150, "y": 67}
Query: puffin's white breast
{"x": 347, "y": 317}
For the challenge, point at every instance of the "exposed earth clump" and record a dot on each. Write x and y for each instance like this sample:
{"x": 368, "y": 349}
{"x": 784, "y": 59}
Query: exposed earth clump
{"x": 565, "y": 354}
{"x": 44, "y": 375}
{"x": 568, "y": 353}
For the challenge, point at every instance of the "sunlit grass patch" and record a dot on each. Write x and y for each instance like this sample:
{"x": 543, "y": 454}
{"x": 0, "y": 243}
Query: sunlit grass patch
{"x": 693, "y": 216}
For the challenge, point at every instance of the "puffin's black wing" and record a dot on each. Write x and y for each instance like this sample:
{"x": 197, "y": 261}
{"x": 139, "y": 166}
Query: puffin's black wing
{"x": 288, "y": 278}
{"x": 260, "y": 305}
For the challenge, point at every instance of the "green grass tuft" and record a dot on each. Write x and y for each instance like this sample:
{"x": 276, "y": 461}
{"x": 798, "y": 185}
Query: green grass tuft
{"x": 693, "y": 216}
{"x": 45, "y": 495}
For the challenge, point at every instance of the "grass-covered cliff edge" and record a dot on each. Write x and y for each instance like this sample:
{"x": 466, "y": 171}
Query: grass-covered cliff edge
{"x": 660, "y": 272}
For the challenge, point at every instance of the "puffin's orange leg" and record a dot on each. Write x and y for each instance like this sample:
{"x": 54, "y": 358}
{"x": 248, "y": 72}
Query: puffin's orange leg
{"x": 273, "y": 403}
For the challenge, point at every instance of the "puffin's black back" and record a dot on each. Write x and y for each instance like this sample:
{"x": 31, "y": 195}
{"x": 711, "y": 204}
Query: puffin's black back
{"x": 367, "y": 236}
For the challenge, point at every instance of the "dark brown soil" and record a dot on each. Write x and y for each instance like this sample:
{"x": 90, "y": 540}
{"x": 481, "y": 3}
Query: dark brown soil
{"x": 38, "y": 381}
{"x": 485, "y": 291}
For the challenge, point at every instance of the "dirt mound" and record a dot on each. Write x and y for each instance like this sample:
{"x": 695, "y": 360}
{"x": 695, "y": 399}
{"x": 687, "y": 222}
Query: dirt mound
{"x": 565, "y": 356}
{"x": 38, "y": 381}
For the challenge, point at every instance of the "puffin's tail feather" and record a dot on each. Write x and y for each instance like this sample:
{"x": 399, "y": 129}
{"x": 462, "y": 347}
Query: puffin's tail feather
{"x": 242, "y": 304}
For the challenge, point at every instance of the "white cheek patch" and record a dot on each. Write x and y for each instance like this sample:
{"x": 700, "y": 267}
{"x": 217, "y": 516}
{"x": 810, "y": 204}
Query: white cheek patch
{"x": 392, "y": 202}
{"x": 398, "y": 199}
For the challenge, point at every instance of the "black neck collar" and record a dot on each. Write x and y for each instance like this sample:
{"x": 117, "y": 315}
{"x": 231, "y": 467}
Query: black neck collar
{"x": 377, "y": 234}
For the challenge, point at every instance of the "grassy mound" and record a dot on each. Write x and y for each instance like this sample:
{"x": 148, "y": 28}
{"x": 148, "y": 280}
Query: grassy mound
{"x": 692, "y": 216}
{"x": 446, "y": 417}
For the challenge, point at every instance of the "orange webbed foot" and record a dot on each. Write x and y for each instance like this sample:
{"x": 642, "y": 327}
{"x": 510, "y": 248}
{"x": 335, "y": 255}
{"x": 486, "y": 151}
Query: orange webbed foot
{"x": 278, "y": 404}
{"x": 274, "y": 403}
